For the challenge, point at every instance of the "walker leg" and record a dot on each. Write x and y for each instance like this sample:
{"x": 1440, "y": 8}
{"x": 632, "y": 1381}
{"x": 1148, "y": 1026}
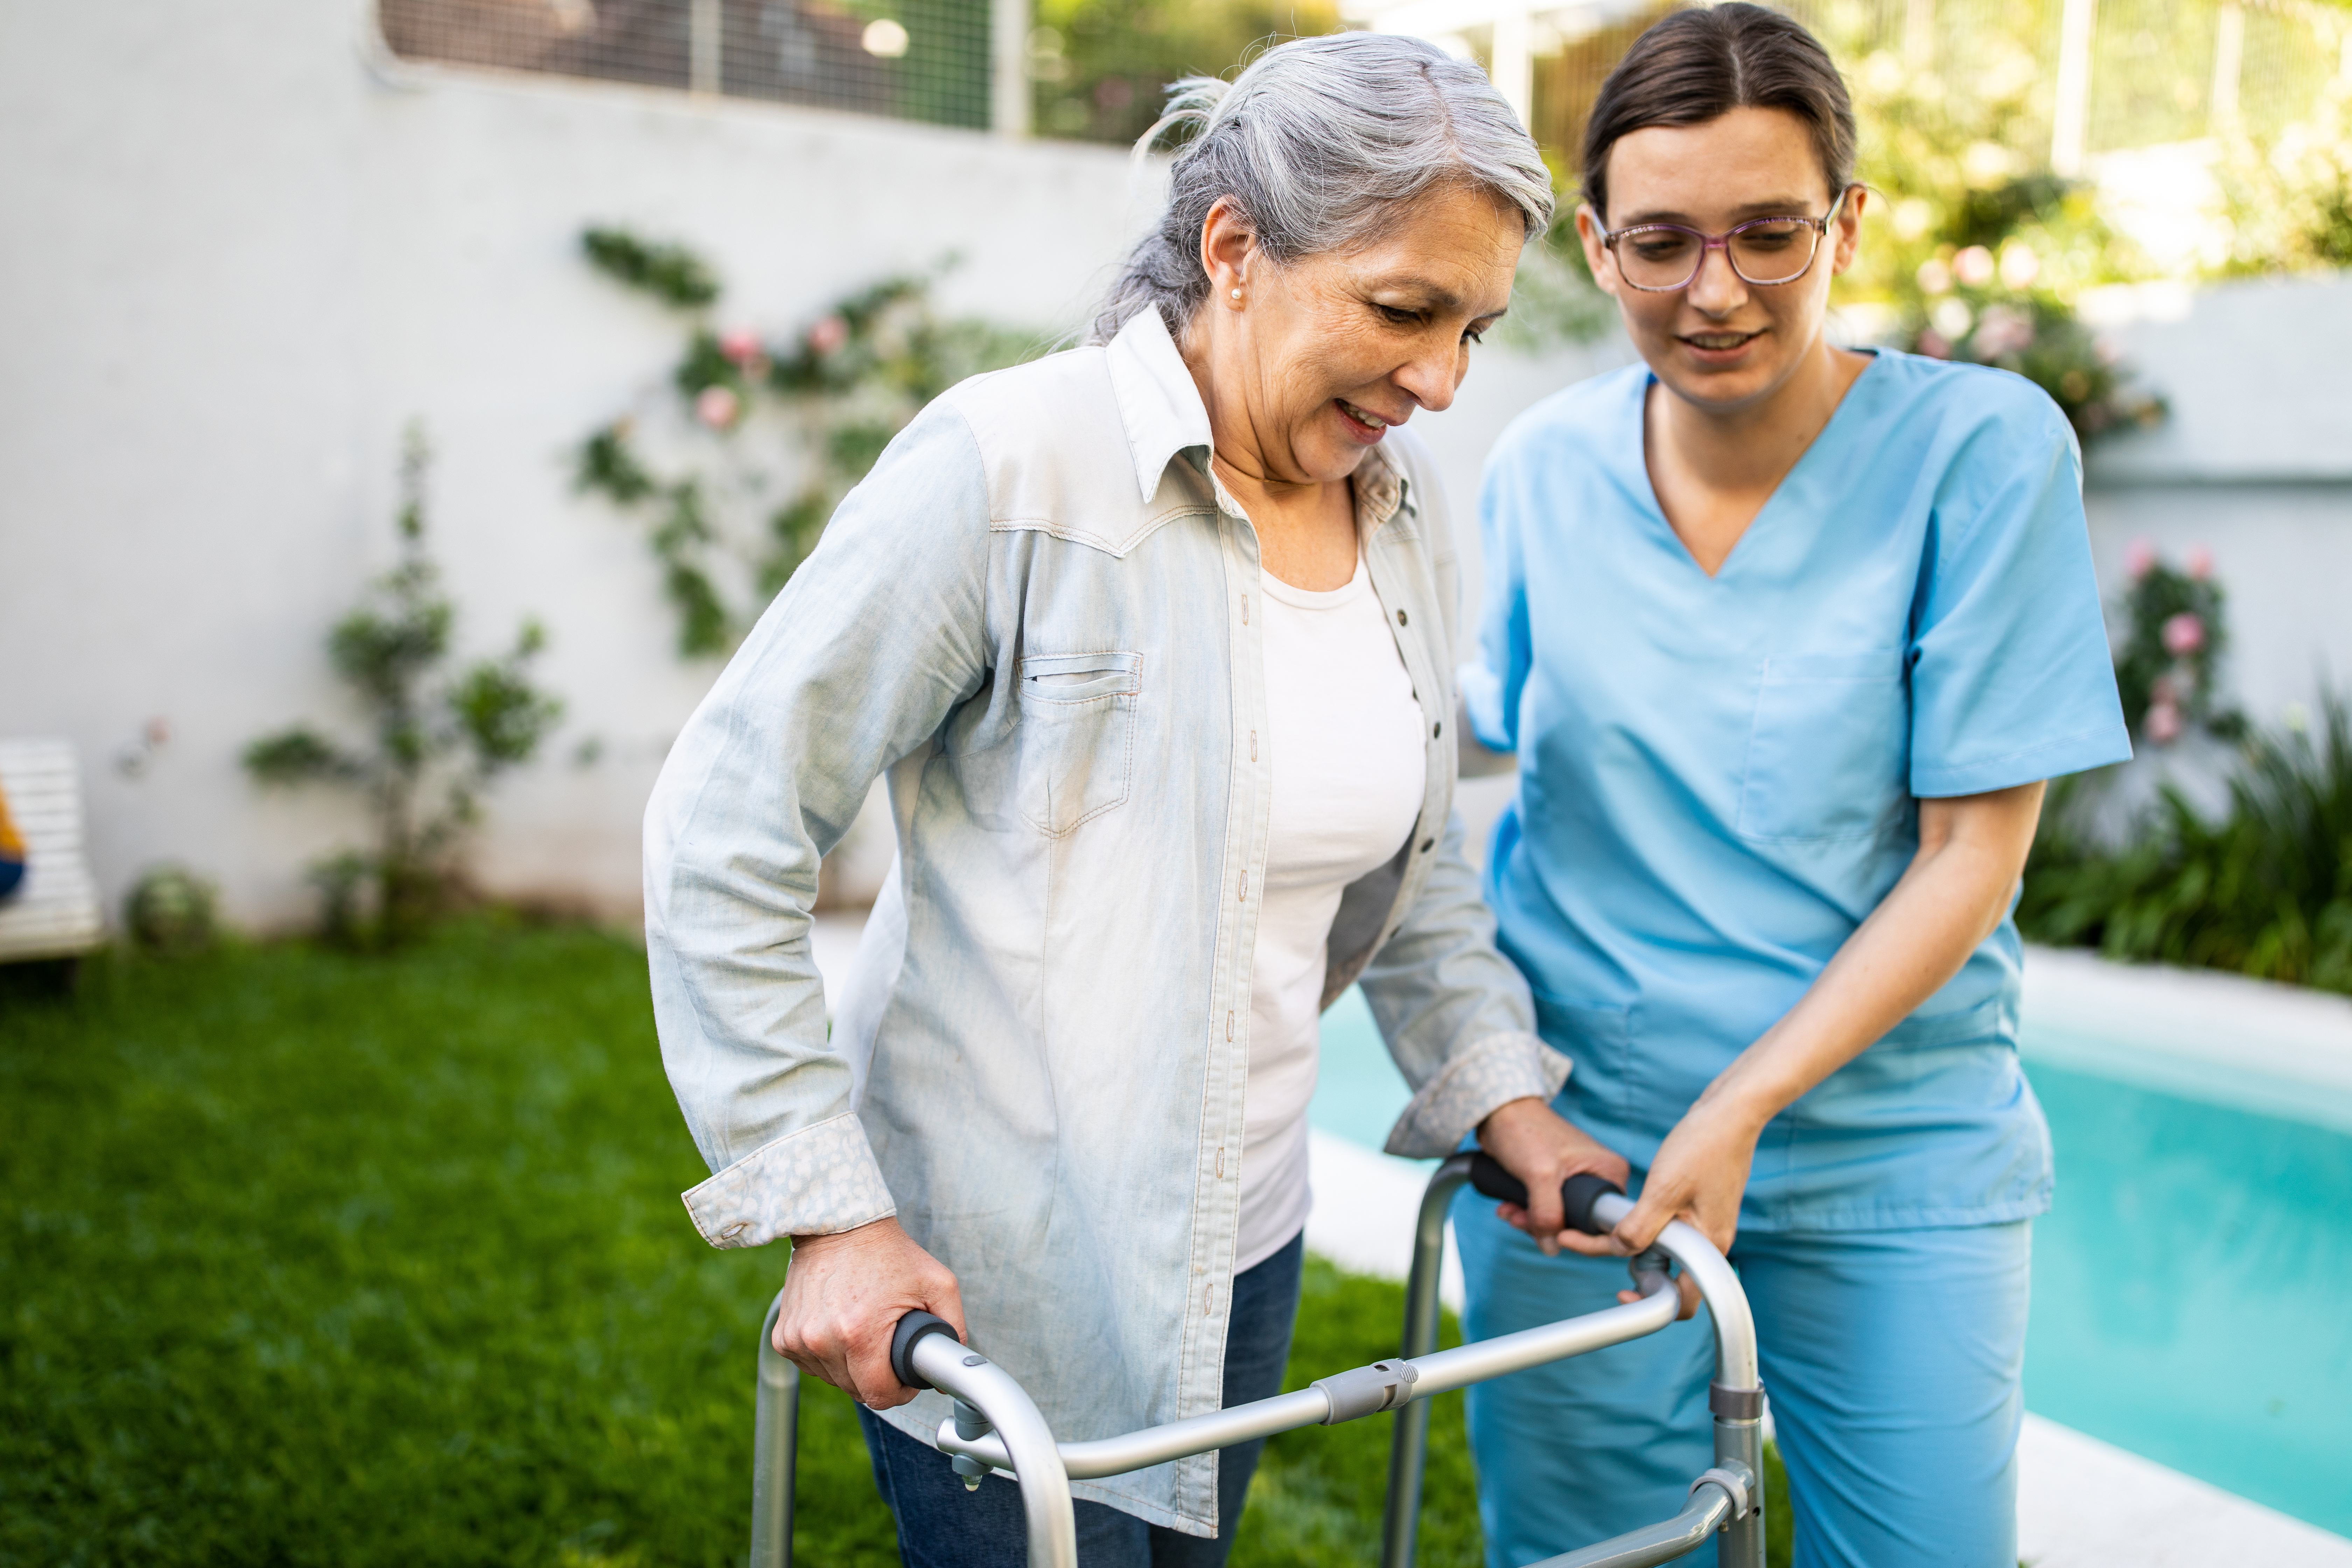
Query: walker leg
{"x": 1409, "y": 1448}
{"x": 1742, "y": 1546}
{"x": 774, "y": 1441}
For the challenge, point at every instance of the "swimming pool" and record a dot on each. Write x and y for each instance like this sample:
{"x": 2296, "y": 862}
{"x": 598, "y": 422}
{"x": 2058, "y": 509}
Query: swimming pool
{"x": 2192, "y": 1285}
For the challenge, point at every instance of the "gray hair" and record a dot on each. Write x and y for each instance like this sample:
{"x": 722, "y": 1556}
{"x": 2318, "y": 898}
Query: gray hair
{"x": 1324, "y": 145}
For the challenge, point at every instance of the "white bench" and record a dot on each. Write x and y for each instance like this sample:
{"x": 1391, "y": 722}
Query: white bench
{"x": 55, "y": 912}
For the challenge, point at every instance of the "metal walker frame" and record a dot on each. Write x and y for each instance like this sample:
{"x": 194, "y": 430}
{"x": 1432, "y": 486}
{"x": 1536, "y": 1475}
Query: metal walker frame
{"x": 997, "y": 1428}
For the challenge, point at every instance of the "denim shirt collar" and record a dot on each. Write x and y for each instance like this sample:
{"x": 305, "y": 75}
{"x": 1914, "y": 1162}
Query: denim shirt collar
{"x": 1161, "y": 409}
{"x": 1159, "y": 406}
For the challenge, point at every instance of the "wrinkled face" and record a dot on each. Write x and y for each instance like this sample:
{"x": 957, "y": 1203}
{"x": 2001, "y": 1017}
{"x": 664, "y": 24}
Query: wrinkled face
{"x": 1319, "y": 357}
{"x": 1722, "y": 342}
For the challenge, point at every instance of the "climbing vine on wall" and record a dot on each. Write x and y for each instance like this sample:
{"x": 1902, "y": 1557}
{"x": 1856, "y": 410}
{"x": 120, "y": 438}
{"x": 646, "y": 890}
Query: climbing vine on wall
{"x": 758, "y": 437}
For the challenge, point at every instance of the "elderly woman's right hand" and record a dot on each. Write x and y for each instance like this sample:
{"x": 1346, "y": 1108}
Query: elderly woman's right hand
{"x": 844, "y": 1295}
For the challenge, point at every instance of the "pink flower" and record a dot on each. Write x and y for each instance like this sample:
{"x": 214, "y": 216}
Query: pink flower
{"x": 2019, "y": 265}
{"x": 1932, "y": 344}
{"x": 2199, "y": 563}
{"x": 2139, "y": 559}
{"x": 827, "y": 336}
{"x": 718, "y": 406}
{"x": 1974, "y": 267}
{"x": 2183, "y": 634}
{"x": 2004, "y": 330}
{"x": 741, "y": 345}
{"x": 2163, "y": 723}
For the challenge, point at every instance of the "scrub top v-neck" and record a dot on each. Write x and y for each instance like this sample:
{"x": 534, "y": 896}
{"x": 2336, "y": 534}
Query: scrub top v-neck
{"x": 1719, "y": 777}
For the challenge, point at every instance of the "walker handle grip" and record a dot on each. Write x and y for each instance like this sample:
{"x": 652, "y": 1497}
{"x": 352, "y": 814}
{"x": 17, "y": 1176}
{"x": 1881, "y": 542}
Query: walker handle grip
{"x": 1576, "y": 1195}
{"x": 914, "y": 1326}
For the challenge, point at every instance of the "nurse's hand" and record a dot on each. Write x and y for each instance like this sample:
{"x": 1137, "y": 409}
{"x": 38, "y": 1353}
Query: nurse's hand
{"x": 844, "y": 1295}
{"x": 1530, "y": 1139}
{"x": 1697, "y": 1178}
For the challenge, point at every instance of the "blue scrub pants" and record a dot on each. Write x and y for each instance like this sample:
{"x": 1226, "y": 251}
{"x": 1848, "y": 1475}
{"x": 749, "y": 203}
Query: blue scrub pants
{"x": 1891, "y": 1361}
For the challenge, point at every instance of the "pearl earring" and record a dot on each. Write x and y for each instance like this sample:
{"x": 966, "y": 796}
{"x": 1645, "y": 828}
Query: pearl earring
{"x": 1238, "y": 296}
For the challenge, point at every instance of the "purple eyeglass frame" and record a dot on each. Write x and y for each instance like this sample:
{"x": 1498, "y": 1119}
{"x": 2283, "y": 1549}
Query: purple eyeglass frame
{"x": 1706, "y": 242}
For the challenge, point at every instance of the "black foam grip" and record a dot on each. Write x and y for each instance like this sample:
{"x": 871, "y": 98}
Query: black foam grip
{"x": 1576, "y": 1195}
{"x": 913, "y": 1327}
{"x": 1486, "y": 1174}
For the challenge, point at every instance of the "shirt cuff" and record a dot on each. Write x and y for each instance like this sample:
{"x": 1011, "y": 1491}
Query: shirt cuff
{"x": 1494, "y": 1072}
{"x": 815, "y": 1182}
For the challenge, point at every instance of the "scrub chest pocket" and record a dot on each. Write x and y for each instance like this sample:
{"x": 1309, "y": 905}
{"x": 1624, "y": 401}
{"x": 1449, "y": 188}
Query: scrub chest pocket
{"x": 1078, "y": 736}
{"x": 1827, "y": 752}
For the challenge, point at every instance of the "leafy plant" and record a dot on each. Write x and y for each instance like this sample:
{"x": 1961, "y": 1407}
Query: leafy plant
{"x": 2173, "y": 636}
{"x": 434, "y": 743}
{"x": 819, "y": 405}
{"x": 170, "y": 910}
{"x": 2266, "y": 891}
{"x": 668, "y": 272}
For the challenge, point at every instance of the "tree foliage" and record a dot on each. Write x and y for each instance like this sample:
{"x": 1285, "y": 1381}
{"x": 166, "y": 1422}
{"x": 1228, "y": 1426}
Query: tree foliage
{"x": 434, "y": 744}
{"x": 2289, "y": 198}
{"x": 1984, "y": 252}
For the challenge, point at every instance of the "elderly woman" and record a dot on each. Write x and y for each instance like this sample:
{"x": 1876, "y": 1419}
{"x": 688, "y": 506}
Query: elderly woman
{"x": 1153, "y": 640}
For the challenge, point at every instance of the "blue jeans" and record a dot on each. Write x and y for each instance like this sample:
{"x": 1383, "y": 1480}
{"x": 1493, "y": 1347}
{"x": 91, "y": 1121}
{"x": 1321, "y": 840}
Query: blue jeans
{"x": 1892, "y": 1358}
{"x": 940, "y": 1525}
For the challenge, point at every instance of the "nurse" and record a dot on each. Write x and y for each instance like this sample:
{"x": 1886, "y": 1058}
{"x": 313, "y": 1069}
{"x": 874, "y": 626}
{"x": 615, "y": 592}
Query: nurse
{"x": 1787, "y": 639}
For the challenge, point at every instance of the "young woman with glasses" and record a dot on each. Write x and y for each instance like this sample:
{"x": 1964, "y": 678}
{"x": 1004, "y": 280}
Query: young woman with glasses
{"x": 1787, "y": 639}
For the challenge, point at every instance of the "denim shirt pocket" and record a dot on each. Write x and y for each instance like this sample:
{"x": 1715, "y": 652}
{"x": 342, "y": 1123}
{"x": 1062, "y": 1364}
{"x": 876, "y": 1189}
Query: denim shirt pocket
{"x": 1076, "y": 736}
{"x": 1826, "y": 750}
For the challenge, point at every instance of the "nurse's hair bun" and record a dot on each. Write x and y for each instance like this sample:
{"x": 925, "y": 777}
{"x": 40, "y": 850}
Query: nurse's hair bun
{"x": 1324, "y": 145}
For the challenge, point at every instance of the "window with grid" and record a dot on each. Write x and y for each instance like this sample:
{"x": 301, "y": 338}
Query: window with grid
{"x": 914, "y": 59}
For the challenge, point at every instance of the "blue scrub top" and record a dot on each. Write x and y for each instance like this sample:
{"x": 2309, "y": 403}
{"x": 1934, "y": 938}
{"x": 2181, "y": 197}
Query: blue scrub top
{"x": 1718, "y": 776}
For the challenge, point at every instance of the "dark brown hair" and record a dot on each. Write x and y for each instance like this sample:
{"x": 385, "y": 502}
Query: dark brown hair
{"x": 1695, "y": 66}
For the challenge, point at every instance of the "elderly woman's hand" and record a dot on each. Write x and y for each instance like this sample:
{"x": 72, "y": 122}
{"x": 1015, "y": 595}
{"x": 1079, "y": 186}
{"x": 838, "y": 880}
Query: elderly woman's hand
{"x": 1698, "y": 1176}
{"x": 844, "y": 1295}
{"x": 1531, "y": 1140}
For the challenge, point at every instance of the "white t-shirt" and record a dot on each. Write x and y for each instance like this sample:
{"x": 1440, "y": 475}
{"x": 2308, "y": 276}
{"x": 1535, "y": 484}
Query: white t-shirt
{"x": 1348, "y": 772}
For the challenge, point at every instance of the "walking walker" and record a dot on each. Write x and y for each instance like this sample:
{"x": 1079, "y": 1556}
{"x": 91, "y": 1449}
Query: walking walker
{"x": 997, "y": 1428}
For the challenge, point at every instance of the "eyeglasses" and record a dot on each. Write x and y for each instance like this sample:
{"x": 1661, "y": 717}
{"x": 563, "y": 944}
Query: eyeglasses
{"x": 1660, "y": 257}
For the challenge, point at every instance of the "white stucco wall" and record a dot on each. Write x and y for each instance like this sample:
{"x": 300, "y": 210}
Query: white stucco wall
{"x": 2255, "y": 463}
{"x": 243, "y": 253}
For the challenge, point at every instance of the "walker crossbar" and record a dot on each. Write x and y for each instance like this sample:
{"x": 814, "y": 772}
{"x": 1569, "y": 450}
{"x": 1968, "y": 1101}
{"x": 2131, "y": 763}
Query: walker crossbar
{"x": 996, "y": 1426}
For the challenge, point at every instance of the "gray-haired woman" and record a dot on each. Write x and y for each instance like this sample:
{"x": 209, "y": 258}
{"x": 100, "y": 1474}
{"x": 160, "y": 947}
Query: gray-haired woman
{"x": 1154, "y": 640}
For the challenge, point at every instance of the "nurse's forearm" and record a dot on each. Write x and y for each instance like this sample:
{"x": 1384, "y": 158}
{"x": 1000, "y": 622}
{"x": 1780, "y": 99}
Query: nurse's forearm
{"x": 1972, "y": 849}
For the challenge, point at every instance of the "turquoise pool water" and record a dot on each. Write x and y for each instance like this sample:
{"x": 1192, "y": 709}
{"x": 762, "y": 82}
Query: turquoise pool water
{"x": 2192, "y": 1286}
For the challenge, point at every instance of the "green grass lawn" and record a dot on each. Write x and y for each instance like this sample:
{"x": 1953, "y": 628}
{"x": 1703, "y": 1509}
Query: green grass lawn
{"x": 311, "y": 1258}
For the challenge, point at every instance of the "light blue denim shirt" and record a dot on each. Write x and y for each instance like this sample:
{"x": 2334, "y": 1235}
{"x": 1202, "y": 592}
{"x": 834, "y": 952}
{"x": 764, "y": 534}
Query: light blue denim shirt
{"x": 1040, "y": 617}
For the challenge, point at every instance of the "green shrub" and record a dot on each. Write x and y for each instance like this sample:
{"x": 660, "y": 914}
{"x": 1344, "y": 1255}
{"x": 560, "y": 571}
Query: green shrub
{"x": 171, "y": 910}
{"x": 436, "y": 744}
{"x": 2266, "y": 890}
